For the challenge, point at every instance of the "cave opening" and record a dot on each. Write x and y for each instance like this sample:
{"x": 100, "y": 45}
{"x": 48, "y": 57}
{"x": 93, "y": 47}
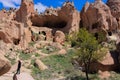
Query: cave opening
{"x": 117, "y": 19}
{"x": 60, "y": 24}
{"x": 109, "y": 33}
{"x": 96, "y": 36}
{"x": 44, "y": 33}
{"x": 51, "y": 24}
{"x": 95, "y": 25}
{"x": 16, "y": 41}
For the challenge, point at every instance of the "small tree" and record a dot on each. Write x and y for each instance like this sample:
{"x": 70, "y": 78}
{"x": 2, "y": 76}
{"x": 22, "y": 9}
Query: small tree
{"x": 88, "y": 48}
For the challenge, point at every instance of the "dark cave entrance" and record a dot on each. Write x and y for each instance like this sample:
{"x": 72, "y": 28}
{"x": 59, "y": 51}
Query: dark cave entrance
{"x": 96, "y": 36}
{"x": 109, "y": 33}
{"x": 16, "y": 41}
{"x": 49, "y": 24}
{"x": 60, "y": 24}
{"x": 95, "y": 25}
{"x": 49, "y": 21}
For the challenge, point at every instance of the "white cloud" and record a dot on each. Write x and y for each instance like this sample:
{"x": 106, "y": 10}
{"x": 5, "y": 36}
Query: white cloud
{"x": 14, "y": 3}
{"x": 40, "y": 7}
{"x": 10, "y": 3}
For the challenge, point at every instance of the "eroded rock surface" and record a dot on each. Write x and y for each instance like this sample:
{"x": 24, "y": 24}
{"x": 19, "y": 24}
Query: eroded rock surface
{"x": 115, "y": 9}
{"x": 65, "y": 18}
{"x": 97, "y": 16}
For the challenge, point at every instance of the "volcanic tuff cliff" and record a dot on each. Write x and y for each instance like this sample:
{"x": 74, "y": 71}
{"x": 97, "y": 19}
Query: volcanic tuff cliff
{"x": 94, "y": 16}
{"x": 20, "y": 26}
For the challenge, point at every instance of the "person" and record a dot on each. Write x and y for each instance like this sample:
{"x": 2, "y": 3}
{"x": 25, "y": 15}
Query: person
{"x": 18, "y": 68}
{"x": 14, "y": 77}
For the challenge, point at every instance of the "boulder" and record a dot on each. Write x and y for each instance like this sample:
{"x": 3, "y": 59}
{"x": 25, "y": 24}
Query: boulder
{"x": 56, "y": 45}
{"x": 104, "y": 75}
{"x": 4, "y": 65}
{"x": 62, "y": 51}
{"x": 109, "y": 63}
{"x": 59, "y": 37}
{"x": 40, "y": 64}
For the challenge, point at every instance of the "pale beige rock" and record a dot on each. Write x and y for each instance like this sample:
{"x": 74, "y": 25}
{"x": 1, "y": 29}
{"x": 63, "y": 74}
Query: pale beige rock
{"x": 104, "y": 75}
{"x": 10, "y": 32}
{"x": 40, "y": 64}
{"x": 27, "y": 37}
{"x": 65, "y": 18}
{"x": 59, "y": 37}
{"x": 97, "y": 16}
{"x": 4, "y": 65}
{"x": 26, "y": 9}
{"x": 115, "y": 9}
{"x": 109, "y": 63}
{"x": 43, "y": 33}
{"x": 56, "y": 45}
{"x": 3, "y": 14}
{"x": 62, "y": 51}
{"x": 23, "y": 21}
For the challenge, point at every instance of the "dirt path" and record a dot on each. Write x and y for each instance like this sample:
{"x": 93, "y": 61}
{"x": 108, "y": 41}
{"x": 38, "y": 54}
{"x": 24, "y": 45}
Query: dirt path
{"x": 24, "y": 75}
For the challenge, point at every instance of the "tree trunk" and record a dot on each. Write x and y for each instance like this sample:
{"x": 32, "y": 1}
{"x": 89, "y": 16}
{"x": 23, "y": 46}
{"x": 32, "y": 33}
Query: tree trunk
{"x": 86, "y": 71}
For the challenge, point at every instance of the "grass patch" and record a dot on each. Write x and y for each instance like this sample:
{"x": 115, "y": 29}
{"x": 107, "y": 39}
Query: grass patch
{"x": 32, "y": 43}
{"x": 24, "y": 56}
{"x": 49, "y": 49}
{"x": 114, "y": 76}
{"x": 37, "y": 55}
{"x": 59, "y": 65}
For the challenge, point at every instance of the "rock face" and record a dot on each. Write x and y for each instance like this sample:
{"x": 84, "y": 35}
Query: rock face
{"x": 115, "y": 9}
{"x": 3, "y": 14}
{"x": 26, "y": 9}
{"x": 97, "y": 16}
{"x": 65, "y": 19}
{"x": 10, "y": 32}
{"x": 24, "y": 22}
{"x": 4, "y": 65}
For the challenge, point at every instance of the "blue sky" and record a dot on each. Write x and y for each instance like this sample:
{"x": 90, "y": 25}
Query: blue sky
{"x": 41, "y": 5}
